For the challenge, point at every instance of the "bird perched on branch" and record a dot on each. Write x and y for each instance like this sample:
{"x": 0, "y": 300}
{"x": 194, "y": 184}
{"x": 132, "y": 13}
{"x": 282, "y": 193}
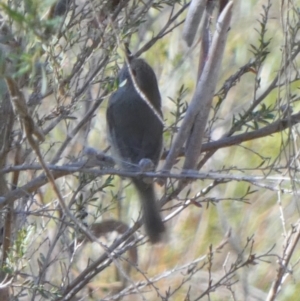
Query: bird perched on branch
{"x": 135, "y": 130}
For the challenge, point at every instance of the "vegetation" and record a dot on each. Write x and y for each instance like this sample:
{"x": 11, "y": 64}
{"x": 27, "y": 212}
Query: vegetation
{"x": 228, "y": 177}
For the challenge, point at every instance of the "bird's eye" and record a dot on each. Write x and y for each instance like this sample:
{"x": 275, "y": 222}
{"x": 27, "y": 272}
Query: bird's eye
{"x": 134, "y": 72}
{"x": 123, "y": 83}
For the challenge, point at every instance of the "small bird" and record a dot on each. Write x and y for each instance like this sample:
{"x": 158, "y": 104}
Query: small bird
{"x": 135, "y": 131}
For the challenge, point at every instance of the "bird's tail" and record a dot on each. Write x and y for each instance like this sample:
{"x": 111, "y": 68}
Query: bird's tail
{"x": 153, "y": 222}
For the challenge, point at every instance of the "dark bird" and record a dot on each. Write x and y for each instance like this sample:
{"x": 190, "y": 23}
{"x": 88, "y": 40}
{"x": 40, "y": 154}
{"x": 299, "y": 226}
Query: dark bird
{"x": 135, "y": 132}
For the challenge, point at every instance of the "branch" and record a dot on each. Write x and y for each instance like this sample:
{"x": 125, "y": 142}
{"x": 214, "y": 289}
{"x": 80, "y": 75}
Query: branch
{"x": 289, "y": 248}
{"x": 203, "y": 94}
{"x": 206, "y": 88}
{"x": 193, "y": 20}
{"x": 162, "y": 32}
{"x": 83, "y": 166}
{"x": 30, "y": 129}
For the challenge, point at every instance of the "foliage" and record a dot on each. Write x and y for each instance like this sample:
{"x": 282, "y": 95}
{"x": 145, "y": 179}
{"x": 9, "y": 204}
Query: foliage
{"x": 233, "y": 221}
